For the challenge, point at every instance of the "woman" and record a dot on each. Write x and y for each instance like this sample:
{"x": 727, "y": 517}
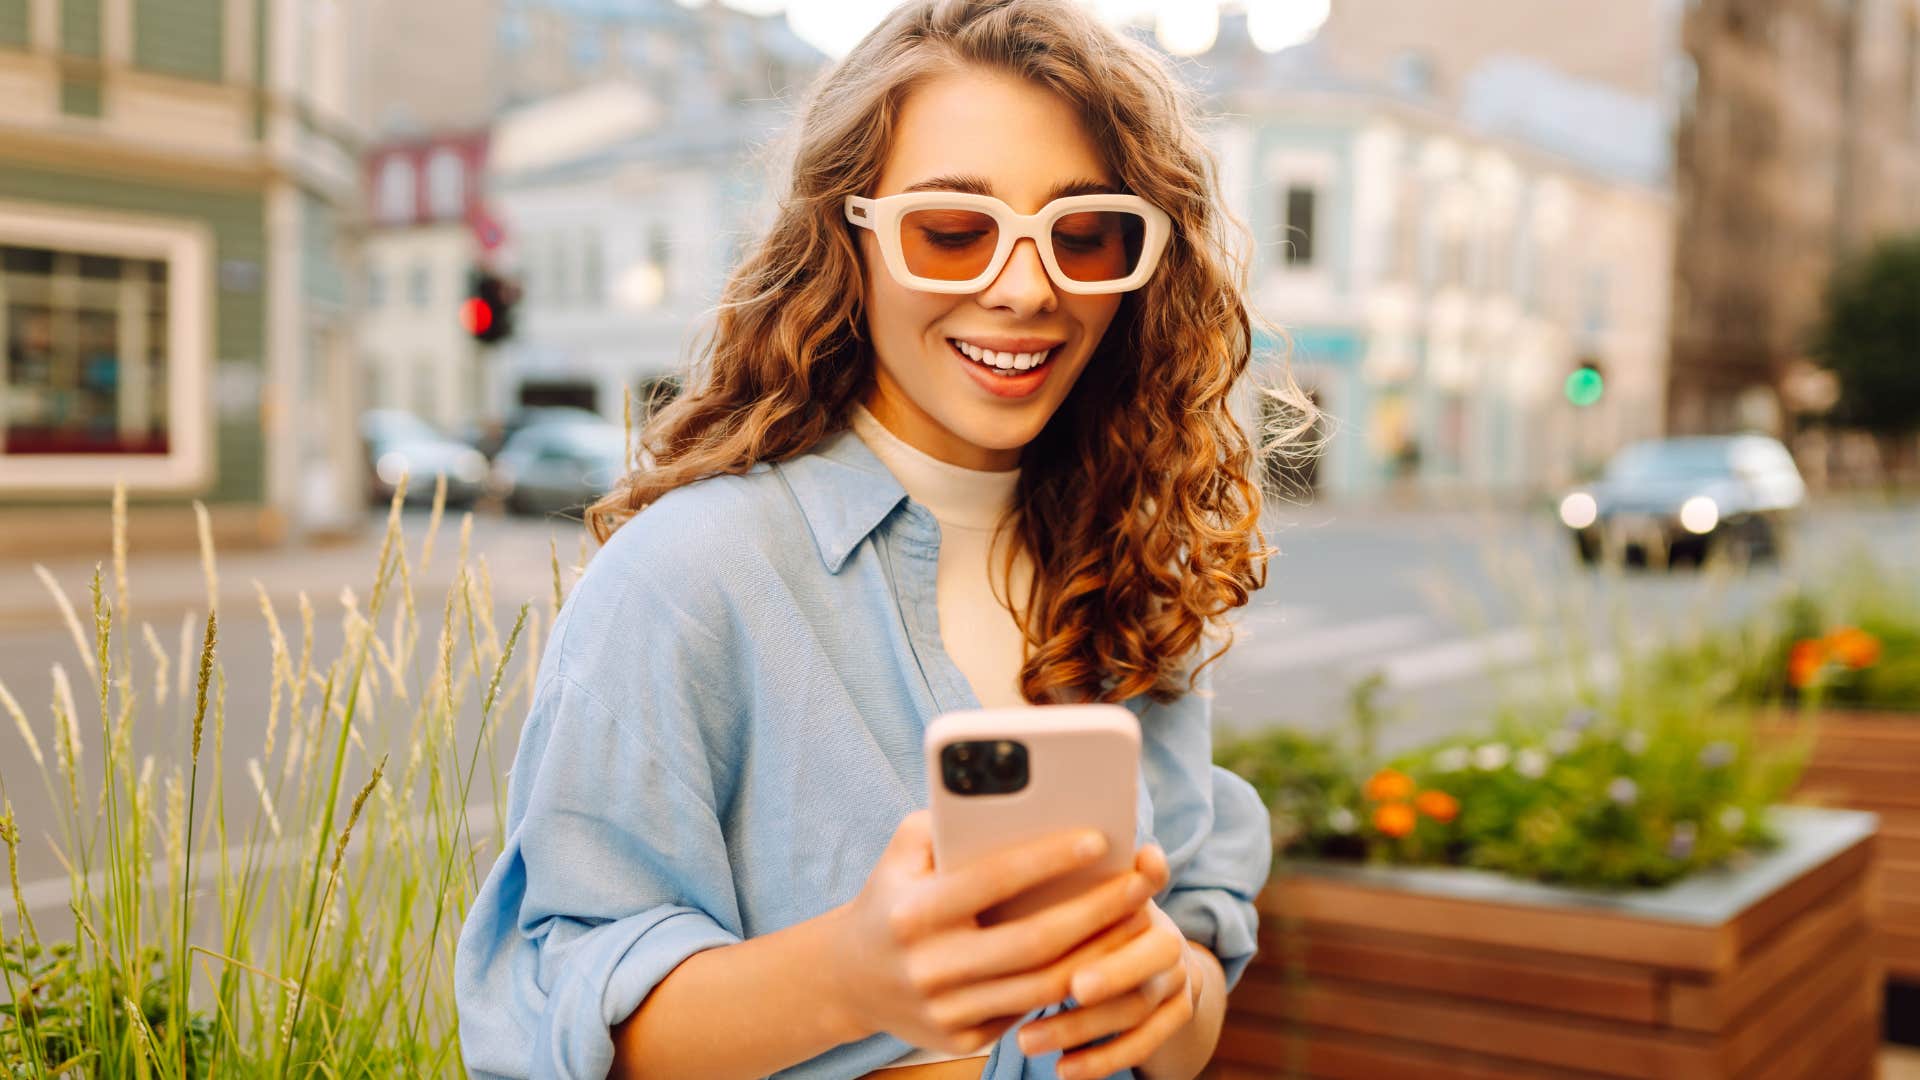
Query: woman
{"x": 962, "y": 438}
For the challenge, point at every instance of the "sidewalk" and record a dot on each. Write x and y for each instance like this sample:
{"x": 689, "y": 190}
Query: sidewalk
{"x": 164, "y": 585}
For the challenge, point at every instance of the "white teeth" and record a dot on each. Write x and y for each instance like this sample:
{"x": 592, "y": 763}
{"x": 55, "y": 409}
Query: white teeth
{"x": 1004, "y": 361}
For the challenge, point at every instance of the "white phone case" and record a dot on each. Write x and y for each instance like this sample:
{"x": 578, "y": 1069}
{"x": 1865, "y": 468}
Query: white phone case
{"x": 1083, "y": 764}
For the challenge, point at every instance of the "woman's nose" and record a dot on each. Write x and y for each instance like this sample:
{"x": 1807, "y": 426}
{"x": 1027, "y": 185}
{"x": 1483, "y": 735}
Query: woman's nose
{"x": 1023, "y": 286}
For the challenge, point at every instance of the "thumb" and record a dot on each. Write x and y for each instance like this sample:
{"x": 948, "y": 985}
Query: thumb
{"x": 912, "y": 841}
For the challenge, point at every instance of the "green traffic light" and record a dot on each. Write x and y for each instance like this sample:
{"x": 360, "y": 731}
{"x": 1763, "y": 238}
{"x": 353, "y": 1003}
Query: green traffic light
{"x": 1585, "y": 386}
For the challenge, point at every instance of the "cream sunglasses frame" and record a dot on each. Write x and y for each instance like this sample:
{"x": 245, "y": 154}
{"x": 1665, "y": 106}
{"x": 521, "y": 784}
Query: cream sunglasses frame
{"x": 883, "y": 214}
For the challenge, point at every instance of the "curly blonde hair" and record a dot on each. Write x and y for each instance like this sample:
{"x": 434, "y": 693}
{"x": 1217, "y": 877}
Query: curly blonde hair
{"x": 1136, "y": 502}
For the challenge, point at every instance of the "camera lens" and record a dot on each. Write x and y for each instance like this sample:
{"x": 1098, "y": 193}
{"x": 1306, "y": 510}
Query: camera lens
{"x": 1005, "y": 766}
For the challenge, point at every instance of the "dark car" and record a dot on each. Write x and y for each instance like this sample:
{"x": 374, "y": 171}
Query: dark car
{"x": 399, "y": 443}
{"x": 559, "y": 465}
{"x": 1668, "y": 500}
{"x": 489, "y": 437}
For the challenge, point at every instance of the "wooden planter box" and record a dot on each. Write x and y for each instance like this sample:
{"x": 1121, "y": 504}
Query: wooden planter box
{"x": 1766, "y": 971}
{"x": 1871, "y": 761}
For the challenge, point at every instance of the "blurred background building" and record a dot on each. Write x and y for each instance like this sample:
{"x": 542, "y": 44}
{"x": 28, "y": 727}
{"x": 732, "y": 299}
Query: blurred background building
{"x": 1798, "y": 145}
{"x": 173, "y": 177}
{"x": 1448, "y": 231}
{"x": 213, "y": 213}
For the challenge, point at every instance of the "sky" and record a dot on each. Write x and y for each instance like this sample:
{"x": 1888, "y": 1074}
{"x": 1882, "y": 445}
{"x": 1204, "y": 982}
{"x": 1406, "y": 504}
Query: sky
{"x": 1184, "y": 27}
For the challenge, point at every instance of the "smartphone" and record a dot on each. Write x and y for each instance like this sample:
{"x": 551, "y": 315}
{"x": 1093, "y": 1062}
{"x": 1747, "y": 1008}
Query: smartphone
{"x": 996, "y": 777}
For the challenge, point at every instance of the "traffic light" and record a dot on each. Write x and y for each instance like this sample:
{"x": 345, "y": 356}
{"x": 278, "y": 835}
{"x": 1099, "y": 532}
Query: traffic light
{"x": 1585, "y": 386}
{"x": 487, "y": 312}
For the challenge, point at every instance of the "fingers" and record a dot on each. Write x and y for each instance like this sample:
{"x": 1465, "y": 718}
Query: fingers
{"x": 1017, "y": 995}
{"x": 1152, "y": 861}
{"x": 1001, "y": 876}
{"x": 1131, "y": 965}
{"x": 1043, "y": 936}
{"x": 1130, "y": 1048}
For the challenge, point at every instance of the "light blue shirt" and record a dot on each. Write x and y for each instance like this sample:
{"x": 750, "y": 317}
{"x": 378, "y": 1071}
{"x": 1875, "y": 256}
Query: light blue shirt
{"x": 725, "y": 732}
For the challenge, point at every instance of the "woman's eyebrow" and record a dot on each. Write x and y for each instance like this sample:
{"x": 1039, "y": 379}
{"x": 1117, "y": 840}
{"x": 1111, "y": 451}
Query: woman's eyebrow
{"x": 976, "y": 185}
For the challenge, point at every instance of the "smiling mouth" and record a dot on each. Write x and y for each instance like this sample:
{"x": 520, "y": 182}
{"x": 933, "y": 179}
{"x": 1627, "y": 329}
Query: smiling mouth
{"x": 1003, "y": 363}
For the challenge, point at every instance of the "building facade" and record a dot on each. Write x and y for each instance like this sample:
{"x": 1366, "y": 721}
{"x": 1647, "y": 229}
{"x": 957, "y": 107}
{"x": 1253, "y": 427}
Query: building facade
{"x": 1798, "y": 145}
{"x": 421, "y": 238}
{"x": 626, "y": 203}
{"x": 1438, "y": 268}
{"x": 172, "y": 298}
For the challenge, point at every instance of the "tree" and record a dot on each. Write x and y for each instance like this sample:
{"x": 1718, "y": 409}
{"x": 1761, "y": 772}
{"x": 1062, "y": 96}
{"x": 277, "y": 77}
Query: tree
{"x": 1870, "y": 339}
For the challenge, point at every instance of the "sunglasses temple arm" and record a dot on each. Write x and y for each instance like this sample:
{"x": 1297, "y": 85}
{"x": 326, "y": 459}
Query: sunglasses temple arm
{"x": 859, "y": 211}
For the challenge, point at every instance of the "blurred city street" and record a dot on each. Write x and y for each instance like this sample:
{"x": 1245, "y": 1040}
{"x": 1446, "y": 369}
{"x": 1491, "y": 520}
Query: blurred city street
{"x": 1436, "y": 600}
{"x": 1574, "y": 292}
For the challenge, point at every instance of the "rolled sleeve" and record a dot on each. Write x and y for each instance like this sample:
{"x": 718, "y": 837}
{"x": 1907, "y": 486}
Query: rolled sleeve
{"x": 1212, "y": 825}
{"x": 614, "y": 871}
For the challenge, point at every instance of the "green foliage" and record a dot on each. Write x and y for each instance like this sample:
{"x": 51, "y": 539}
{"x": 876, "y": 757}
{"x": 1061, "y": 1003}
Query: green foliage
{"x": 1870, "y": 338}
{"x": 1853, "y": 639}
{"x": 1582, "y": 798}
{"x": 310, "y": 931}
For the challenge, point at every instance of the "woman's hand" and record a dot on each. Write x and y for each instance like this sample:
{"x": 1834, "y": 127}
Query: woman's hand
{"x": 1142, "y": 992}
{"x": 916, "y": 964}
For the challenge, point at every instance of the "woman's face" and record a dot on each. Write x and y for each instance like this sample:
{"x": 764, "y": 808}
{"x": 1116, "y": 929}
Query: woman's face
{"x": 1021, "y": 142}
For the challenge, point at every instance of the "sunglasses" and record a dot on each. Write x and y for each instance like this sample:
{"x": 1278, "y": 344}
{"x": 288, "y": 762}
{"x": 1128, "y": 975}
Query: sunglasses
{"x": 957, "y": 242}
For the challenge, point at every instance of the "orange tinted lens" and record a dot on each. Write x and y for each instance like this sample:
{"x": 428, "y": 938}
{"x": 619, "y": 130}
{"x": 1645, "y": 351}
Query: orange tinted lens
{"x": 1098, "y": 245}
{"x": 948, "y": 245}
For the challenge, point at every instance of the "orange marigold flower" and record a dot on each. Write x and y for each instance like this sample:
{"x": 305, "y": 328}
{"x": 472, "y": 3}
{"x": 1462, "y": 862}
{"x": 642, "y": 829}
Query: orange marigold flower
{"x": 1389, "y": 785}
{"x": 1804, "y": 662}
{"x": 1853, "y": 647}
{"x": 1394, "y": 819}
{"x": 1438, "y": 805}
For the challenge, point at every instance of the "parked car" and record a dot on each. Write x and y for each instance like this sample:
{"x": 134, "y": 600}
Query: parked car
{"x": 399, "y": 443}
{"x": 1679, "y": 498}
{"x": 489, "y": 437}
{"x": 559, "y": 465}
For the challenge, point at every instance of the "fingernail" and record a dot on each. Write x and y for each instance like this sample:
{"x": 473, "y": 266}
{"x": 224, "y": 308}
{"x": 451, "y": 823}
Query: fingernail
{"x": 1092, "y": 845}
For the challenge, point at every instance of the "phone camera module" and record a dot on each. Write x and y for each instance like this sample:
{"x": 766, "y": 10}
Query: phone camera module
{"x": 984, "y": 767}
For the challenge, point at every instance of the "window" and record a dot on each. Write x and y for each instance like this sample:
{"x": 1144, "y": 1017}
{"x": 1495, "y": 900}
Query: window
{"x": 1299, "y": 216}
{"x": 371, "y": 372}
{"x": 588, "y": 47}
{"x": 592, "y": 287}
{"x": 395, "y": 200}
{"x": 106, "y": 329}
{"x": 420, "y": 285}
{"x": 560, "y": 275}
{"x": 446, "y": 184}
{"x": 425, "y": 388}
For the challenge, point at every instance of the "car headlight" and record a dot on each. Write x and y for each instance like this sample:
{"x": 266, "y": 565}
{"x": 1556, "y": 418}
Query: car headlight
{"x": 391, "y": 467}
{"x": 1699, "y": 515}
{"x": 471, "y": 468}
{"x": 1579, "y": 510}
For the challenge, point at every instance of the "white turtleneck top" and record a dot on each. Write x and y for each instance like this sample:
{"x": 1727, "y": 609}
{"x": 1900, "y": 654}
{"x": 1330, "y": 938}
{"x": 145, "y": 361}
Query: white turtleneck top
{"x": 978, "y": 631}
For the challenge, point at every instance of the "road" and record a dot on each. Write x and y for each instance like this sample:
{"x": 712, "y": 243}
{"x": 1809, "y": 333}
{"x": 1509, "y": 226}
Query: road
{"x": 1439, "y": 602}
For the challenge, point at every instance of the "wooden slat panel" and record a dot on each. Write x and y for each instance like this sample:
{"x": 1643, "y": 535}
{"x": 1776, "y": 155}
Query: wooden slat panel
{"x": 1901, "y": 951}
{"x": 1337, "y": 1055}
{"x": 1900, "y": 878}
{"x": 1862, "y": 787}
{"x": 1577, "y": 933}
{"x": 1621, "y": 1050}
{"x": 1610, "y": 991}
{"x": 1802, "y": 1007}
{"x": 1758, "y": 922}
{"x": 1854, "y": 1024}
{"x": 1898, "y": 843}
{"x": 1714, "y": 1004}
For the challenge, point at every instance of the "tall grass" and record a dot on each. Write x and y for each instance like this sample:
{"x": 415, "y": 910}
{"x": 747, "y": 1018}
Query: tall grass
{"x": 295, "y": 933}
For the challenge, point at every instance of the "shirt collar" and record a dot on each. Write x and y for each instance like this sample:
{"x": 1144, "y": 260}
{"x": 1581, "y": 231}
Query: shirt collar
{"x": 844, "y": 492}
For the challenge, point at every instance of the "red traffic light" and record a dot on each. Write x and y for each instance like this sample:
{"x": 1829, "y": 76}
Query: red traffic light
{"x": 476, "y": 315}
